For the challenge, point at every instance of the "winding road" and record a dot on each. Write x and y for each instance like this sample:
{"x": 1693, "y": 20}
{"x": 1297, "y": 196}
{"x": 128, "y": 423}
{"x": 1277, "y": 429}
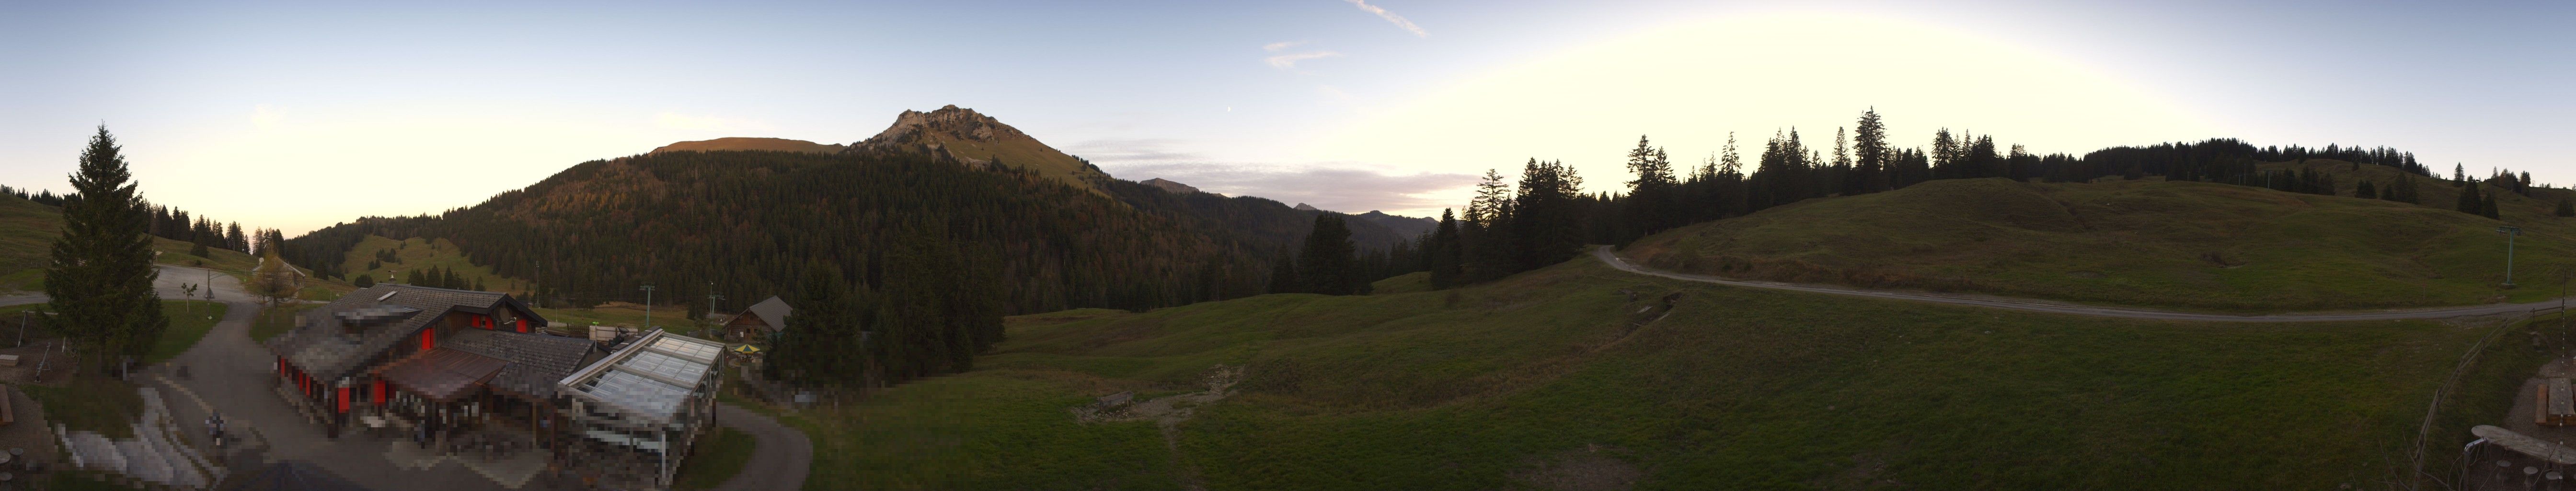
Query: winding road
{"x": 1608, "y": 256}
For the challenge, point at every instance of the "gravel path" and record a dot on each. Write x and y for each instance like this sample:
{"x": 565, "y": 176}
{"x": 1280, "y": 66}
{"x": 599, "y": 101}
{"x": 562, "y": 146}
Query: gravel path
{"x": 1605, "y": 254}
{"x": 780, "y": 460}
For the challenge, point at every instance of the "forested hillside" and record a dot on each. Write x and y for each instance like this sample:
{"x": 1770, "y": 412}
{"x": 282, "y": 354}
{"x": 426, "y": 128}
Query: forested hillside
{"x": 750, "y": 223}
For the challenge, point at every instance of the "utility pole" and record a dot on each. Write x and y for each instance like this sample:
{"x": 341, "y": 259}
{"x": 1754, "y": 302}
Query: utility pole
{"x": 712, "y": 297}
{"x": 2509, "y": 232}
{"x": 648, "y": 305}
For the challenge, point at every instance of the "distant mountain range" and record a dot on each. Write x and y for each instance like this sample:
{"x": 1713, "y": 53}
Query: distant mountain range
{"x": 750, "y": 214}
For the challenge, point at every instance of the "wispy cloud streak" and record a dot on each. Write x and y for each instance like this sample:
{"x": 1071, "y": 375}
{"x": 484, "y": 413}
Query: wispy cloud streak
{"x": 1391, "y": 17}
{"x": 1289, "y": 61}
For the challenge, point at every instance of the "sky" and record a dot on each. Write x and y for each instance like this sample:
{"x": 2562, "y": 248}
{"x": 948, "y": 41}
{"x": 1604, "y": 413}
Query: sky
{"x": 299, "y": 115}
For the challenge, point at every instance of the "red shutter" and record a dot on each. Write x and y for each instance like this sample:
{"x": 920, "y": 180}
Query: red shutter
{"x": 523, "y": 325}
{"x": 344, "y": 399}
{"x": 429, "y": 338}
{"x": 379, "y": 392}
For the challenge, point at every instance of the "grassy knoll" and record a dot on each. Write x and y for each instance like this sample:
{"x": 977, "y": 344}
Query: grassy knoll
{"x": 416, "y": 253}
{"x": 2174, "y": 244}
{"x": 1404, "y": 283}
{"x": 716, "y": 458}
{"x": 189, "y": 321}
{"x": 93, "y": 402}
{"x": 1539, "y": 379}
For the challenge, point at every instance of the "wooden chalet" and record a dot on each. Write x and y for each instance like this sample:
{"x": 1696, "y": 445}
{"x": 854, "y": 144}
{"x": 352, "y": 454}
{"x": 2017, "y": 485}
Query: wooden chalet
{"x": 435, "y": 357}
{"x": 761, "y": 322}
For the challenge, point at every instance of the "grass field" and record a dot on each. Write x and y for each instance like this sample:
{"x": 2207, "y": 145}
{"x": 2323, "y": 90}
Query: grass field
{"x": 2175, "y": 244}
{"x": 189, "y": 321}
{"x": 717, "y": 457}
{"x": 93, "y": 403}
{"x": 1538, "y": 380}
{"x": 419, "y": 253}
{"x": 28, "y": 230}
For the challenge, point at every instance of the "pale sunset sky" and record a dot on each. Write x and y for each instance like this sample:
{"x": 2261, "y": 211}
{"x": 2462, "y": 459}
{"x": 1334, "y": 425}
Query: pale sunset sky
{"x": 299, "y": 115}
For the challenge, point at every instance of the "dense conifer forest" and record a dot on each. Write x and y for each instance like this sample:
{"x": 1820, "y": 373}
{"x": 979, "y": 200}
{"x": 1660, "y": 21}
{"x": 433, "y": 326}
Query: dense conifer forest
{"x": 752, "y": 224}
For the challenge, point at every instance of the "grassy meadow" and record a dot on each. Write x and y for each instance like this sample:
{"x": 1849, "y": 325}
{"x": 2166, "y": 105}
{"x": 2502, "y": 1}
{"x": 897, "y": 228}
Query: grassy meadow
{"x": 417, "y": 253}
{"x": 1539, "y": 381}
{"x": 28, "y": 230}
{"x": 2171, "y": 244}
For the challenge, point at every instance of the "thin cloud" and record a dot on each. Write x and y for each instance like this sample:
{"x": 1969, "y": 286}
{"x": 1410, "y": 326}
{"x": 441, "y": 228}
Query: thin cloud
{"x": 1336, "y": 187}
{"x": 1275, "y": 47}
{"x": 1289, "y": 61}
{"x": 1132, "y": 150}
{"x": 1391, "y": 17}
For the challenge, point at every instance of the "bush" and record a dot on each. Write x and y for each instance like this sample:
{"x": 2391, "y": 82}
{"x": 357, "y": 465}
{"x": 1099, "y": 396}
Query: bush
{"x": 364, "y": 281}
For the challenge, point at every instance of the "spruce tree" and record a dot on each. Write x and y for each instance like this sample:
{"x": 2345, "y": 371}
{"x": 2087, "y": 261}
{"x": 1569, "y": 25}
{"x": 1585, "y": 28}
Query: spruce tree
{"x": 2469, "y": 202}
{"x": 2363, "y": 190}
{"x": 2566, "y": 208}
{"x": 2487, "y": 208}
{"x": 1283, "y": 275}
{"x": 1327, "y": 263}
{"x": 1870, "y": 147}
{"x": 101, "y": 273}
{"x": 1446, "y": 255}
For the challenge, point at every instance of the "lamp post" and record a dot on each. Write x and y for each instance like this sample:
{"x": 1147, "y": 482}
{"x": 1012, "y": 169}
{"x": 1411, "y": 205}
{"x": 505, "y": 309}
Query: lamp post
{"x": 2509, "y": 232}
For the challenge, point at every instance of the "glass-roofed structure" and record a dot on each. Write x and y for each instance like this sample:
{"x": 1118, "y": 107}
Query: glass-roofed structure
{"x": 640, "y": 408}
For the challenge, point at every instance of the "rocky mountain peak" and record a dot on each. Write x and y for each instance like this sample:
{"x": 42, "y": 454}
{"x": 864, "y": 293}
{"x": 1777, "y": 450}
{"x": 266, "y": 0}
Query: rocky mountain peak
{"x": 950, "y": 122}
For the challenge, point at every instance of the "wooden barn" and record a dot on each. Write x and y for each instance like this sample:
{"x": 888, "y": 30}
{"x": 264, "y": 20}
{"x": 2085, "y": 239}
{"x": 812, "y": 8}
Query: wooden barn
{"x": 761, "y": 322}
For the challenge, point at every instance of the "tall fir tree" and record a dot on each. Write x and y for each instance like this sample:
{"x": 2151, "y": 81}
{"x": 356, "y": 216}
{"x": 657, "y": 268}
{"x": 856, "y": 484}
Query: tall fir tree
{"x": 1485, "y": 235}
{"x": 1283, "y": 274}
{"x": 2566, "y": 208}
{"x": 1869, "y": 146}
{"x": 101, "y": 273}
{"x": 1446, "y": 255}
{"x": 2469, "y": 201}
{"x": 1650, "y": 195}
{"x": 1328, "y": 263}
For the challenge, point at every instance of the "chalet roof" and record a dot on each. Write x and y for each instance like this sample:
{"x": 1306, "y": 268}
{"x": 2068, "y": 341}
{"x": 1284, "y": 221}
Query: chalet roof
{"x": 536, "y": 361}
{"x": 442, "y": 373}
{"x": 323, "y": 348}
{"x": 651, "y": 379}
{"x": 772, "y": 311}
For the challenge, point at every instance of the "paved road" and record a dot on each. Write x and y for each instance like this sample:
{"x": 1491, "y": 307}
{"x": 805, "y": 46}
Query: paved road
{"x": 1605, "y": 254}
{"x": 781, "y": 460}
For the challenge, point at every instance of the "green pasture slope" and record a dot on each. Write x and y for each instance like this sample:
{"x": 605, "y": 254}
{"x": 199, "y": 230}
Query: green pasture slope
{"x": 2170, "y": 244}
{"x": 1539, "y": 382}
{"x": 27, "y": 232}
{"x": 418, "y": 253}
